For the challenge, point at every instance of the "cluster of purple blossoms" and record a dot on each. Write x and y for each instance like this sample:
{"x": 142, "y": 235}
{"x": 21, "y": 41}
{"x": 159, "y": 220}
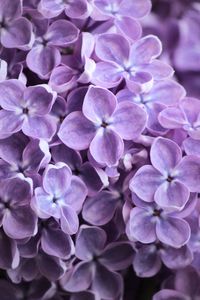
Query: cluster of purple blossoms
{"x": 99, "y": 150}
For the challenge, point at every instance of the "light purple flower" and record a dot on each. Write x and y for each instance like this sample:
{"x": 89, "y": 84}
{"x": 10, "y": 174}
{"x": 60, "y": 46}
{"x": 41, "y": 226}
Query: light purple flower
{"x": 148, "y": 259}
{"x": 98, "y": 264}
{"x": 15, "y": 30}
{"x": 137, "y": 63}
{"x": 102, "y": 125}
{"x": 186, "y": 116}
{"x": 75, "y": 68}
{"x": 61, "y": 197}
{"x": 149, "y": 222}
{"x": 164, "y": 93}
{"x": 94, "y": 178}
{"x": 45, "y": 55}
{"x": 183, "y": 286}
{"x": 75, "y": 9}
{"x": 16, "y": 216}
{"x": 26, "y": 109}
{"x": 170, "y": 178}
{"x": 20, "y": 158}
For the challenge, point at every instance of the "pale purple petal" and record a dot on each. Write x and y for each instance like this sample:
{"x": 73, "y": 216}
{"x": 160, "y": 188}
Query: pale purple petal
{"x": 113, "y": 48}
{"x": 100, "y": 209}
{"x": 39, "y": 127}
{"x": 106, "y": 147}
{"x": 172, "y": 195}
{"x": 76, "y": 131}
{"x": 135, "y": 9}
{"x": 62, "y": 79}
{"x": 80, "y": 279}
{"x": 165, "y": 155}
{"x": 68, "y": 220}
{"x": 18, "y": 35}
{"x": 90, "y": 242}
{"x": 146, "y": 262}
{"x": 56, "y": 243}
{"x": 117, "y": 256}
{"x": 50, "y": 8}
{"x": 129, "y": 27}
{"x": 42, "y": 60}
{"x": 173, "y": 231}
{"x": 107, "y": 74}
{"x": 61, "y": 33}
{"x": 20, "y": 222}
{"x": 129, "y": 120}
{"x": 11, "y": 94}
{"x": 144, "y": 50}
{"x": 76, "y": 194}
{"x": 169, "y": 295}
{"x": 188, "y": 172}
{"x": 145, "y": 183}
{"x": 57, "y": 179}
{"x": 106, "y": 283}
{"x": 99, "y": 104}
{"x": 38, "y": 99}
{"x": 142, "y": 227}
{"x": 10, "y": 122}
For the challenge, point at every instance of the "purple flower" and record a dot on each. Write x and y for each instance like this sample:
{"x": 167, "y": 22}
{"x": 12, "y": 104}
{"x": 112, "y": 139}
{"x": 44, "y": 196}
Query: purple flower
{"x": 148, "y": 259}
{"x": 26, "y": 109}
{"x": 186, "y": 116}
{"x": 170, "y": 178}
{"x": 183, "y": 286}
{"x": 61, "y": 197}
{"x": 75, "y": 9}
{"x": 45, "y": 55}
{"x": 98, "y": 264}
{"x": 149, "y": 222}
{"x": 22, "y": 159}
{"x": 16, "y": 217}
{"x": 122, "y": 14}
{"x": 78, "y": 67}
{"x": 15, "y": 30}
{"x": 94, "y": 178}
{"x": 102, "y": 125}
{"x": 164, "y": 93}
{"x": 137, "y": 63}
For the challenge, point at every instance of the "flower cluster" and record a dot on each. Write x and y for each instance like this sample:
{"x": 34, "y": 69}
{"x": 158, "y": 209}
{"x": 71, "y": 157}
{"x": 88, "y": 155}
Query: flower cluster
{"x": 99, "y": 151}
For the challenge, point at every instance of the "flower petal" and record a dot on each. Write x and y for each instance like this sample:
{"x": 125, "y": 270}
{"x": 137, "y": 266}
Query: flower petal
{"x": 142, "y": 227}
{"x": 107, "y": 147}
{"x": 165, "y": 155}
{"x": 99, "y": 104}
{"x": 173, "y": 231}
{"x": 145, "y": 183}
{"x": 76, "y": 131}
{"x": 129, "y": 120}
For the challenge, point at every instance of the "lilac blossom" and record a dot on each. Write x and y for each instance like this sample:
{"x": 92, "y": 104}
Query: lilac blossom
{"x": 137, "y": 63}
{"x": 185, "y": 115}
{"x": 75, "y": 68}
{"x": 164, "y": 93}
{"x": 98, "y": 264}
{"x": 15, "y": 30}
{"x": 102, "y": 129}
{"x": 61, "y": 196}
{"x": 149, "y": 222}
{"x": 168, "y": 177}
{"x": 17, "y": 218}
{"x": 184, "y": 286}
{"x": 74, "y": 9}
{"x": 26, "y": 109}
{"x": 45, "y": 55}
